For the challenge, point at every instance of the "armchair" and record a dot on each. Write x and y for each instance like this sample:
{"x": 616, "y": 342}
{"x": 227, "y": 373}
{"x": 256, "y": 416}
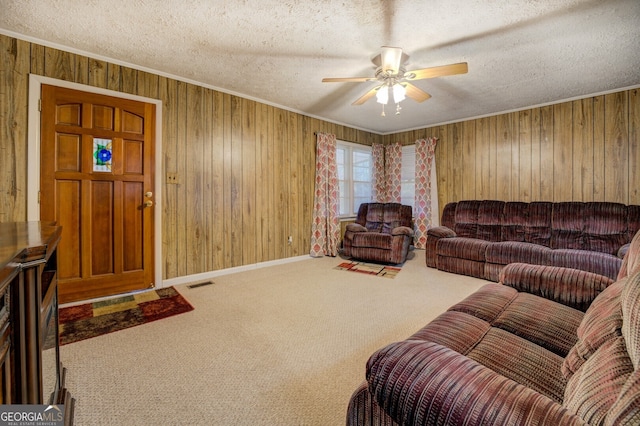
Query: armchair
{"x": 382, "y": 233}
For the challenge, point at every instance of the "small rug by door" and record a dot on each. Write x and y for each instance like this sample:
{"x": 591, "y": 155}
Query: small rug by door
{"x": 369, "y": 268}
{"x": 94, "y": 319}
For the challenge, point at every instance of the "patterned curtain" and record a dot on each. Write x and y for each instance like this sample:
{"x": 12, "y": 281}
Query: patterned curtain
{"x": 378, "y": 186}
{"x": 425, "y": 182}
{"x": 325, "y": 228}
{"x": 393, "y": 171}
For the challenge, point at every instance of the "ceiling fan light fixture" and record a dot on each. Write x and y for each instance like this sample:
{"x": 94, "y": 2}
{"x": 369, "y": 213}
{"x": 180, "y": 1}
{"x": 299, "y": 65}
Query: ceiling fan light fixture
{"x": 382, "y": 95}
{"x": 391, "y": 59}
{"x": 399, "y": 93}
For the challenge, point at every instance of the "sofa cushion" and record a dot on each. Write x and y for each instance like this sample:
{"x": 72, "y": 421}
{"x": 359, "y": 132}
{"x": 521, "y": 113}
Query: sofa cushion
{"x": 375, "y": 217}
{"x": 455, "y": 265}
{"x": 595, "y": 387}
{"x": 626, "y": 409}
{"x": 372, "y": 239}
{"x": 466, "y": 219}
{"x": 602, "y": 322}
{"x": 570, "y": 287}
{"x": 506, "y": 252}
{"x": 514, "y": 221}
{"x": 463, "y": 248}
{"x": 394, "y": 216}
{"x": 605, "y": 230}
{"x": 541, "y": 321}
{"x": 522, "y": 361}
{"x": 487, "y": 303}
{"x": 567, "y": 224}
{"x": 633, "y": 220}
{"x": 456, "y": 330}
{"x": 590, "y": 261}
{"x": 490, "y": 218}
{"x": 449, "y": 215}
{"x": 538, "y": 228}
{"x": 631, "y": 262}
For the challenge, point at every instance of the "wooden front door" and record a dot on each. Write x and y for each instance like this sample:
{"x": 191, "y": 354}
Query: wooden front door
{"x": 96, "y": 181}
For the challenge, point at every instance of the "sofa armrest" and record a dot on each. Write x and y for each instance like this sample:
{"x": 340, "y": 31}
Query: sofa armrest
{"x": 434, "y": 235}
{"x": 441, "y": 232}
{"x": 355, "y": 227}
{"x": 402, "y": 230}
{"x": 571, "y": 287}
{"x": 418, "y": 382}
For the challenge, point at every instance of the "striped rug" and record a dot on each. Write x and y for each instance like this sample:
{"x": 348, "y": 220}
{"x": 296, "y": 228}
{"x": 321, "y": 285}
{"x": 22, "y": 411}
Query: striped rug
{"x": 369, "y": 268}
{"x": 94, "y": 319}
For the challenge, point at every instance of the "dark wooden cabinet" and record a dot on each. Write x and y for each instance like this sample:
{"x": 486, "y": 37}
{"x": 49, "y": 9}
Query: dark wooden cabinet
{"x": 7, "y": 274}
{"x": 30, "y": 367}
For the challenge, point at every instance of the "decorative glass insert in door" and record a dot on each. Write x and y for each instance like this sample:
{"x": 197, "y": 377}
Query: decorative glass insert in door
{"x": 102, "y": 153}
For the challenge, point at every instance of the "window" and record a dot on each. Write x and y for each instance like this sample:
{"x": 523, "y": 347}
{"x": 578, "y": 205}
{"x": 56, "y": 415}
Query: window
{"x": 408, "y": 176}
{"x": 355, "y": 170}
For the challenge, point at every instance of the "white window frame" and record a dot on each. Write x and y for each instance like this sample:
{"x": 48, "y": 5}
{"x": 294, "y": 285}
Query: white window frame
{"x": 348, "y": 180}
{"x": 408, "y": 176}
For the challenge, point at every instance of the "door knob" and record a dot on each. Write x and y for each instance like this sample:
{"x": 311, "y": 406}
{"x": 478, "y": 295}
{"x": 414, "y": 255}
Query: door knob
{"x": 148, "y": 194}
{"x": 148, "y": 203}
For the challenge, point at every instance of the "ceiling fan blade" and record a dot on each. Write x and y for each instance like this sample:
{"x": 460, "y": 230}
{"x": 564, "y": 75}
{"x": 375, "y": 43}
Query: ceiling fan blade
{"x": 452, "y": 69}
{"x": 347, "y": 79}
{"x": 416, "y": 93}
{"x": 364, "y": 98}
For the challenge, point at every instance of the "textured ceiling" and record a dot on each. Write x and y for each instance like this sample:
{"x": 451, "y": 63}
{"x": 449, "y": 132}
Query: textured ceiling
{"x": 520, "y": 52}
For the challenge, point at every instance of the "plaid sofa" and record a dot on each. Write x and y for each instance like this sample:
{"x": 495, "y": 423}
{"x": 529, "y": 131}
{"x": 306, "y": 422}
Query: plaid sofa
{"x": 548, "y": 346}
{"x": 479, "y": 237}
{"x": 382, "y": 232}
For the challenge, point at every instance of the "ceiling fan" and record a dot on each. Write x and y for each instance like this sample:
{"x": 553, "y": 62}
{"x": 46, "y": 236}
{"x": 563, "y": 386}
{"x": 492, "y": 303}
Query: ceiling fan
{"x": 394, "y": 78}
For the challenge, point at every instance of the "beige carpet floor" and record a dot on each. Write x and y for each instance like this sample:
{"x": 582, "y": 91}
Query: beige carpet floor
{"x": 282, "y": 345}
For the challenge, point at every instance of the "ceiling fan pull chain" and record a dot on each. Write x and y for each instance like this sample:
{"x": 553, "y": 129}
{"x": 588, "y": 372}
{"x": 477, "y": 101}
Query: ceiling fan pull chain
{"x": 398, "y": 108}
{"x": 383, "y": 114}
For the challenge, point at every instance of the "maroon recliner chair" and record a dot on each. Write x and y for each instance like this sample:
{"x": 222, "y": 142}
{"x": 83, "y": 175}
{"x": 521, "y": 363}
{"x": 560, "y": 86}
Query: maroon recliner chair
{"x": 382, "y": 232}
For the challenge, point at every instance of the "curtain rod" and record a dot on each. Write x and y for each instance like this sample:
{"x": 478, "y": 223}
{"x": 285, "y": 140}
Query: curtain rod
{"x": 342, "y": 139}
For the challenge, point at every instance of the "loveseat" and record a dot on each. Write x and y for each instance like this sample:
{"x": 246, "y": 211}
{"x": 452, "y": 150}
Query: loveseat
{"x": 479, "y": 237}
{"x": 519, "y": 352}
{"x": 382, "y": 232}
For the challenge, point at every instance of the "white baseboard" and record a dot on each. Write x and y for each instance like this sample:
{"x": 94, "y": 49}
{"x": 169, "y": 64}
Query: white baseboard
{"x": 204, "y": 276}
{"x": 195, "y": 278}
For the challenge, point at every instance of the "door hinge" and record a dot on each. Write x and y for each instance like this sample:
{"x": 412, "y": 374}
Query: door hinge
{"x": 39, "y": 193}
{"x": 39, "y": 104}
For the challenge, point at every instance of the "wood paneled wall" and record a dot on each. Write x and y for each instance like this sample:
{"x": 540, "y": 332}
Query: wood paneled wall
{"x": 246, "y": 170}
{"x": 583, "y": 150}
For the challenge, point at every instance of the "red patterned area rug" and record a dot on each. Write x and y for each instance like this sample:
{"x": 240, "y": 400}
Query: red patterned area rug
{"x": 94, "y": 319}
{"x": 370, "y": 269}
